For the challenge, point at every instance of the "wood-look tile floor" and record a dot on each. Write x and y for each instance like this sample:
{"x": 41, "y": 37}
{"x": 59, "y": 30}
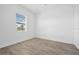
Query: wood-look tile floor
{"x": 38, "y": 46}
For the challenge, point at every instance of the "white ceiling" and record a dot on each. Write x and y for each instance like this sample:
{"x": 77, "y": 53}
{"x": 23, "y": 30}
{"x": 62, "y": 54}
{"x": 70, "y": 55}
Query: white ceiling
{"x": 38, "y": 8}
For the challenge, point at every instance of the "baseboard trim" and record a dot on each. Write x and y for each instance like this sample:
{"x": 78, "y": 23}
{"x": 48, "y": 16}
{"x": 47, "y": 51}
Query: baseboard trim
{"x": 45, "y": 37}
{"x": 42, "y": 37}
{"x": 15, "y": 42}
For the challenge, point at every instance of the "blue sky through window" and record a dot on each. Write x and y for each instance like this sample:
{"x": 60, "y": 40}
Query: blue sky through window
{"x": 20, "y": 18}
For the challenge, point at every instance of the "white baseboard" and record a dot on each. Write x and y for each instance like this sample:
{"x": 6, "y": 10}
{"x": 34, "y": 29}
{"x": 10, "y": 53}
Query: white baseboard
{"x": 43, "y": 37}
{"x": 55, "y": 39}
{"x": 14, "y": 42}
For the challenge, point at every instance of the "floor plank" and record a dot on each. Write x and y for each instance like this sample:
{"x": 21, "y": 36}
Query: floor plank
{"x": 37, "y": 46}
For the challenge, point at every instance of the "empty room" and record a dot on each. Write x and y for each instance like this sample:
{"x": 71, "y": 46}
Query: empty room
{"x": 39, "y": 29}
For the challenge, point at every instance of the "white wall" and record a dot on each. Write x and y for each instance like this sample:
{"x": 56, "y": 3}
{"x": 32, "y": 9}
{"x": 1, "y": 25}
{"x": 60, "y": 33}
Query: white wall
{"x": 8, "y": 34}
{"x": 1, "y": 23}
{"x": 57, "y": 23}
{"x": 76, "y": 10}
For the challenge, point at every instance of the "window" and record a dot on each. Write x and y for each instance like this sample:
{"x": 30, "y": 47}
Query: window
{"x": 20, "y": 23}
